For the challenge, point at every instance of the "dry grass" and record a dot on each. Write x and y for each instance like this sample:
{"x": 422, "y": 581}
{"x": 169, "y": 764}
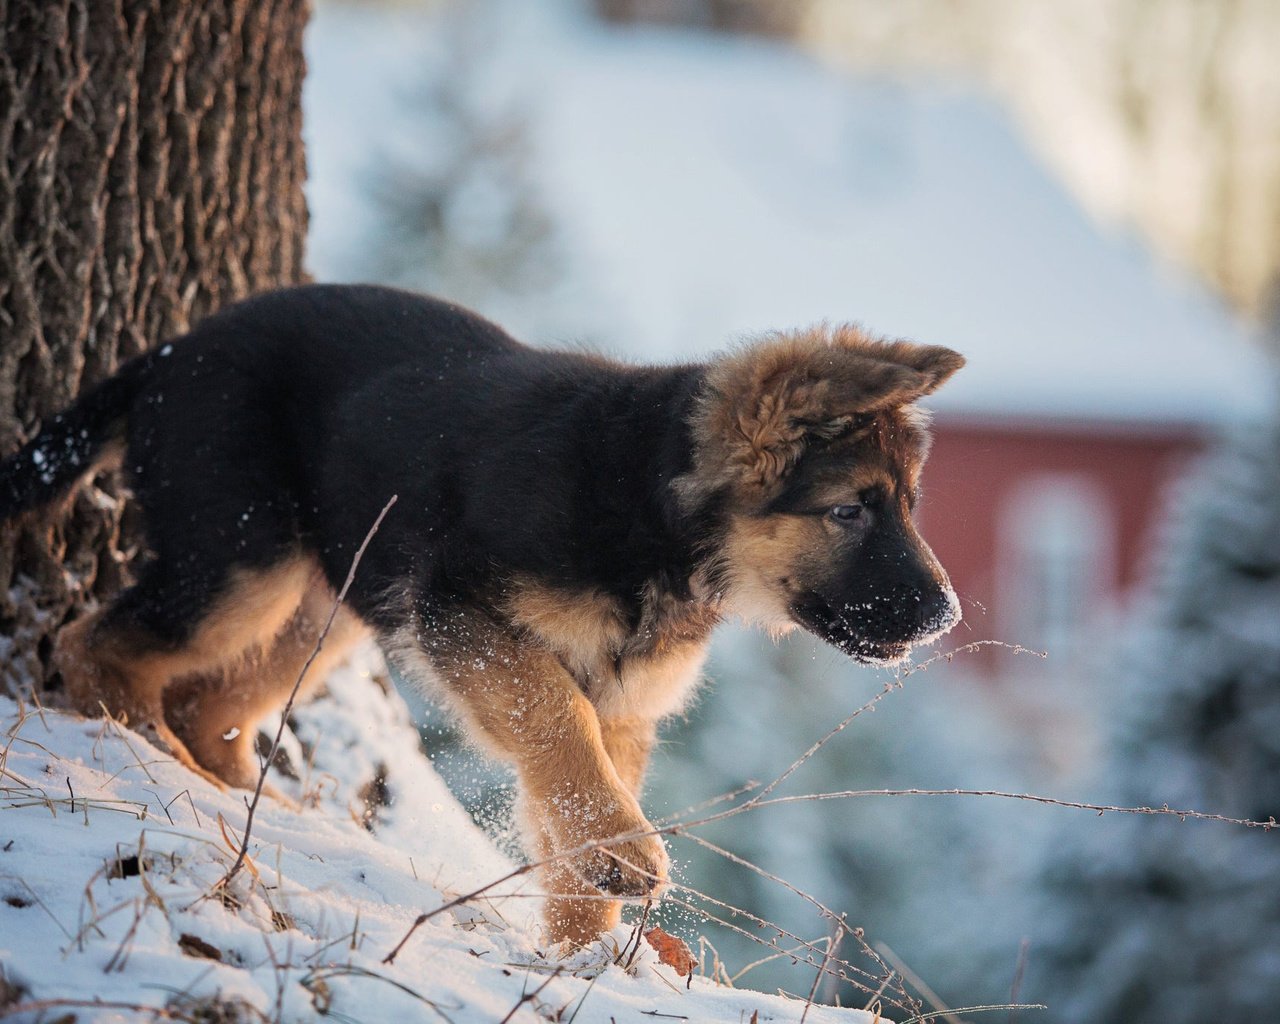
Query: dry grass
{"x": 873, "y": 970}
{"x": 881, "y": 981}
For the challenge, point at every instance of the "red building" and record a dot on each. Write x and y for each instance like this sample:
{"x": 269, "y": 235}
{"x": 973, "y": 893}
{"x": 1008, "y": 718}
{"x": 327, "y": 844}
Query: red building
{"x": 1047, "y": 525}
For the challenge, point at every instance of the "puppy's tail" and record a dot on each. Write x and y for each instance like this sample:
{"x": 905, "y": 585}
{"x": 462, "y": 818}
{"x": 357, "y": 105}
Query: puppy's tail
{"x": 72, "y": 443}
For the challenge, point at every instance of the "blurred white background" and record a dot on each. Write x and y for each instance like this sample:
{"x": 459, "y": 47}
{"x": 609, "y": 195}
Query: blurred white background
{"x": 1084, "y": 199}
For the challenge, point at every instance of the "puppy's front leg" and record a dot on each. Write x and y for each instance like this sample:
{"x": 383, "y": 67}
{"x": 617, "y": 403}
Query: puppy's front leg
{"x": 519, "y": 700}
{"x": 629, "y": 742}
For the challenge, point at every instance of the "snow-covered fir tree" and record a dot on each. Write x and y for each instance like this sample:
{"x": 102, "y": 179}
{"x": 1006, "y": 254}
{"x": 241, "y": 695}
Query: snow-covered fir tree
{"x": 457, "y": 211}
{"x": 1164, "y": 920}
{"x": 922, "y": 877}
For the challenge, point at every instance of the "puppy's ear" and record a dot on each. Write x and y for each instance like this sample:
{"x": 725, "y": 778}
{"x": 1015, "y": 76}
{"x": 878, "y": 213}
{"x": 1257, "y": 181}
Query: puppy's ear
{"x": 935, "y": 364}
{"x": 762, "y": 406}
{"x": 866, "y": 375}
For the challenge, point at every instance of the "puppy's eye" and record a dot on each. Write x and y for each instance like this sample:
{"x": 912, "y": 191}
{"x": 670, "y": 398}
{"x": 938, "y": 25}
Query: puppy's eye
{"x": 847, "y": 513}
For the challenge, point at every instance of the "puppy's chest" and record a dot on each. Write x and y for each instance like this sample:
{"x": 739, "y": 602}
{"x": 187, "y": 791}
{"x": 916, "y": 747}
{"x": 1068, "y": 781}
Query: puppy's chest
{"x": 646, "y": 670}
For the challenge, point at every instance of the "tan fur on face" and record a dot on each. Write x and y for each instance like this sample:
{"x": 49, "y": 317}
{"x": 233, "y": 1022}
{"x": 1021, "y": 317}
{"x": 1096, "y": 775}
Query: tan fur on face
{"x": 769, "y": 559}
{"x": 873, "y": 471}
{"x": 763, "y": 554}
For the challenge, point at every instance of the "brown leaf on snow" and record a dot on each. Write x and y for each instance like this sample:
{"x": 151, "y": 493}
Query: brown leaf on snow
{"x": 193, "y": 945}
{"x": 672, "y": 951}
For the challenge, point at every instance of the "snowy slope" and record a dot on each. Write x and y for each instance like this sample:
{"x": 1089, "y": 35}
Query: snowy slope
{"x": 109, "y": 854}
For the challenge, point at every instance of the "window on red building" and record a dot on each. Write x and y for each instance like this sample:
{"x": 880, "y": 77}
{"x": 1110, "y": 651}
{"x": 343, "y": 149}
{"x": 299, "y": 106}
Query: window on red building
{"x": 1057, "y": 544}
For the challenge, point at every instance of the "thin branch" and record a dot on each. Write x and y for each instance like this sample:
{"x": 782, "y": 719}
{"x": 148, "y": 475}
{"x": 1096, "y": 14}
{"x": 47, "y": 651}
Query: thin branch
{"x": 911, "y": 1004}
{"x": 922, "y": 987}
{"x": 528, "y": 997}
{"x": 832, "y": 945}
{"x": 762, "y": 799}
{"x": 812, "y": 954}
{"x": 991, "y": 1008}
{"x": 426, "y": 916}
{"x": 1101, "y": 809}
{"x": 889, "y": 687}
{"x": 1015, "y": 989}
{"x": 822, "y": 909}
{"x": 714, "y": 801}
{"x": 637, "y": 935}
{"x": 681, "y": 828}
{"x": 39, "y": 1005}
{"x": 351, "y": 970}
{"x": 728, "y": 855}
{"x": 284, "y": 714}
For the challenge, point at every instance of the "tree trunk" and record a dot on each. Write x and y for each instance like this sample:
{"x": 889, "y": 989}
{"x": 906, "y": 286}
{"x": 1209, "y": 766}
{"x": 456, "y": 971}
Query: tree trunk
{"x": 152, "y": 171}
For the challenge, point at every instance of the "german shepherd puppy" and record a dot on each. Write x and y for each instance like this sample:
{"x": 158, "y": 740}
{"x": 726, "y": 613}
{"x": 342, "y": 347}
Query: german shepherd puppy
{"x": 568, "y": 532}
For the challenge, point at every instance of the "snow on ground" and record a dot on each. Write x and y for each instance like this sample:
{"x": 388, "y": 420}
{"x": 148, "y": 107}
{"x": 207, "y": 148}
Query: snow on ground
{"x": 110, "y": 855}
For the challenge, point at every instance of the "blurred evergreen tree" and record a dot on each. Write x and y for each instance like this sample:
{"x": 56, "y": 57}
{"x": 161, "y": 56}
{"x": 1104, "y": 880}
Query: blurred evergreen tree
{"x": 458, "y": 212}
{"x": 1168, "y": 921}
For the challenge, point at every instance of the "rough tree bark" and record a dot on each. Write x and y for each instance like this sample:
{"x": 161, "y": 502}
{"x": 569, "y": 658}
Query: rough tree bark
{"x": 152, "y": 170}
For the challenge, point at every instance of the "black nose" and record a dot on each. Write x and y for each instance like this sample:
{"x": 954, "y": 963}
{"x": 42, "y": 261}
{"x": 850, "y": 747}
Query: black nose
{"x": 938, "y": 609}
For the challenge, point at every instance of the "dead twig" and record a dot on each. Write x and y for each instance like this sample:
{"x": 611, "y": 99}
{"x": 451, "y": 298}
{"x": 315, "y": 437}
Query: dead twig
{"x": 466, "y": 897}
{"x": 986, "y": 1008}
{"x": 284, "y": 714}
{"x": 756, "y": 803}
{"x": 1163, "y": 810}
{"x": 528, "y": 997}
{"x": 351, "y": 970}
{"x": 832, "y": 945}
{"x": 889, "y": 687}
{"x": 805, "y": 952}
{"x": 638, "y": 935}
{"x": 763, "y": 798}
{"x": 1024, "y": 947}
{"x": 40, "y": 1005}
{"x": 906, "y": 972}
{"x": 728, "y": 855}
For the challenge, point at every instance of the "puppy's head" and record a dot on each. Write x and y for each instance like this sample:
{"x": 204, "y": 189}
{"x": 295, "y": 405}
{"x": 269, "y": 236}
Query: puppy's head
{"x": 812, "y": 447}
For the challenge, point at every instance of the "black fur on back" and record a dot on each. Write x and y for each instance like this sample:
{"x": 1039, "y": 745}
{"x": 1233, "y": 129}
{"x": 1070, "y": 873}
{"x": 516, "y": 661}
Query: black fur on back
{"x": 291, "y": 418}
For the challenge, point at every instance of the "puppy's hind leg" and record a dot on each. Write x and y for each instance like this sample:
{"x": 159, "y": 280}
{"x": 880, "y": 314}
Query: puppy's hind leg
{"x": 108, "y": 667}
{"x": 217, "y": 714}
{"x": 123, "y": 658}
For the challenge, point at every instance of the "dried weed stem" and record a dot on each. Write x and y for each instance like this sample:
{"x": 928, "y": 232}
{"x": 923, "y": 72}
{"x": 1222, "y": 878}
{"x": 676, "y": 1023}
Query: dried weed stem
{"x": 284, "y": 713}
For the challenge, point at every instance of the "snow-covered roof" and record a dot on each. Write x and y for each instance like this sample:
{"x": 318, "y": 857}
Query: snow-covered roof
{"x": 708, "y": 188}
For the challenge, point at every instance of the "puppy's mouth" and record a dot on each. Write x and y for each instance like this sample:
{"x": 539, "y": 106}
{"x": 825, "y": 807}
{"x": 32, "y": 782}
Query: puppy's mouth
{"x": 818, "y": 619}
{"x": 869, "y": 652}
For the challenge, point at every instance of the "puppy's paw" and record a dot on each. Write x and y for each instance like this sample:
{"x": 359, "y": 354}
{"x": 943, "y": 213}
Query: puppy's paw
{"x": 634, "y": 867}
